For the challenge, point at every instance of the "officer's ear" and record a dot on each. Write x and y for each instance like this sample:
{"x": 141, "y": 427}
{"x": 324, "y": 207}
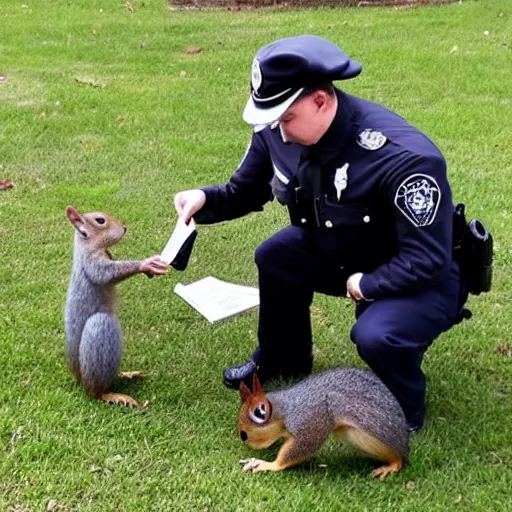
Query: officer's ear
{"x": 321, "y": 99}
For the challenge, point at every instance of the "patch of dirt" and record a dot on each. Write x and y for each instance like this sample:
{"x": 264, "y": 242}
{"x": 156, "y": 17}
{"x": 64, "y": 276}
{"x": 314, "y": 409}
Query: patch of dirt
{"x": 238, "y": 5}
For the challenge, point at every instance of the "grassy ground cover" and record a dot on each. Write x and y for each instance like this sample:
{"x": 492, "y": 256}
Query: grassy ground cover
{"x": 104, "y": 109}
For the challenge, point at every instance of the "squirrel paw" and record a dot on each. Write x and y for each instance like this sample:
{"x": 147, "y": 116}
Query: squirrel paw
{"x": 384, "y": 471}
{"x": 118, "y": 399}
{"x": 131, "y": 375}
{"x": 256, "y": 465}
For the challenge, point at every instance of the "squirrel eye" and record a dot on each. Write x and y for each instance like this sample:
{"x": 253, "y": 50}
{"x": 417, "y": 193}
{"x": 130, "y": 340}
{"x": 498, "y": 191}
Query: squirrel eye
{"x": 259, "y": 414}
{"x": 260, "y": 411}
{"x": 100, "y": 220}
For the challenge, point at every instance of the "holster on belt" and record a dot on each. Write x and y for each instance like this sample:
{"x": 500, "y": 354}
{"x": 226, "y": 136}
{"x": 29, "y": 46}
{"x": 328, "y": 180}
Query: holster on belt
{"x": 473, "y": 248}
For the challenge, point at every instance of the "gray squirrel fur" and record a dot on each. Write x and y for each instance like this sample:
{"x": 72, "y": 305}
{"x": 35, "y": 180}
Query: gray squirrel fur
{"x": 354, "y": 394}
{"x": 93, "y": 332}
{"x": 351, "y": 403}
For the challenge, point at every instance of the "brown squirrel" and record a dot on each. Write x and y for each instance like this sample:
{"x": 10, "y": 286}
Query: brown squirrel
{"x": 93, "y": 332}
{"x": 351, "y": 403}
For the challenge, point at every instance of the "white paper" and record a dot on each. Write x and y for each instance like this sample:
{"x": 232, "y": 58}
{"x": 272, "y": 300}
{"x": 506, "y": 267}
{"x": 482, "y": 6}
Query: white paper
{"x": 216, "y": 299}
{"x": 179, "y": 235}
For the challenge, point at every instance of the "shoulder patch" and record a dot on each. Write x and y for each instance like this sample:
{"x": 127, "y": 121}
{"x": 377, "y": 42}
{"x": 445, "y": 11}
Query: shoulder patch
{"x": 371, "y": 139}
{"x": 418, "y": 198}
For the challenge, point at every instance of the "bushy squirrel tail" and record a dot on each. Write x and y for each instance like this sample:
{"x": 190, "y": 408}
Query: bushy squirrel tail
{"x": 100, "y": 353}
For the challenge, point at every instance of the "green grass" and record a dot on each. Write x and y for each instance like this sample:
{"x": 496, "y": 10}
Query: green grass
{"x": 96, "y": 112}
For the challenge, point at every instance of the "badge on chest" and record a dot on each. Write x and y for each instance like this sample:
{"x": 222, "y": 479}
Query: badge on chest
{"x": 341, "y": 179}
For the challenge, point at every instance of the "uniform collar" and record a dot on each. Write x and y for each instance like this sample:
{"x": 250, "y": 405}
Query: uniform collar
{"x": 338, "y": 133}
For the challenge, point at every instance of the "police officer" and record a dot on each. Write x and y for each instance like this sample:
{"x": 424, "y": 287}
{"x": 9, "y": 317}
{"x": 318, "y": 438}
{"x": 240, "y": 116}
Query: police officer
{"x": 371, "y": 218}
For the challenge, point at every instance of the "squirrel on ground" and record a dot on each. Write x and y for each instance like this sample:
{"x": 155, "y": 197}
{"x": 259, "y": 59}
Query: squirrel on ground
{"x": 93, "y": 332}
{"x": 351, "y": 403}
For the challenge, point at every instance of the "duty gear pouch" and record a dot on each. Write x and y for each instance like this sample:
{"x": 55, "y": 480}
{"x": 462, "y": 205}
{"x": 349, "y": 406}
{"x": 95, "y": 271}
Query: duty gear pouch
{"x": 473, "y": 247}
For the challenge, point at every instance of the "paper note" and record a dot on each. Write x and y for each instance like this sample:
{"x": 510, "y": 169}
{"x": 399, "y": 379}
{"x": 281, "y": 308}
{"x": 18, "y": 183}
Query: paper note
{"x": 216, "y": 299}
{"x": 179, "y": 236}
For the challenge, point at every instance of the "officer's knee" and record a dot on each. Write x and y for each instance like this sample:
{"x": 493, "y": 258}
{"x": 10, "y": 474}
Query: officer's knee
{"x": 369, "y": 340}
{"x": 261, "y": 253}
{"x": 268, "y": 253}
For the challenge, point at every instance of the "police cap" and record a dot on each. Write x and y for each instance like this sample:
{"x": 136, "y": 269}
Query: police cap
{"x": 283, "y": 69}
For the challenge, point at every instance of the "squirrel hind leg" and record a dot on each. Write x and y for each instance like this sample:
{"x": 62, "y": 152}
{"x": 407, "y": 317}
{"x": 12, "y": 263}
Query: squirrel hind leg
{"x": 118, "y": 399}
{"x": 372, "y": 447}
{"x": 393, "y": 467}
{"x": 131, "y": 375}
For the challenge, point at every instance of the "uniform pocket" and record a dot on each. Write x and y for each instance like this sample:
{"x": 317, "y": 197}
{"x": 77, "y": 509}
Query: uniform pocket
{"x": 351, "y": 232}
{"x": 352, "y": 217}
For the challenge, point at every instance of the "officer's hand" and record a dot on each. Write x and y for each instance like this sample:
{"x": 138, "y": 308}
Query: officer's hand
{"x": 189, "y": 202}
{"x": 353, "y": 289}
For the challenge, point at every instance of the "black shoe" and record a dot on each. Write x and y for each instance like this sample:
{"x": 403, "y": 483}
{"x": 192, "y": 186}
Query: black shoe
{"x": 416, "y": 423}
{"x": 234, "y": 375}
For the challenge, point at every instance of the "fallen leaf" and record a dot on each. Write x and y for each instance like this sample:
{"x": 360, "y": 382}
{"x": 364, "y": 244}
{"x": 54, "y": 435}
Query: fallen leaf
{"x": 129, "y": 6}
{"x": 454, "y": 49}
{"x": 183, "y": 74}
{"x": 145, "y": 405}
{"x": 504, "y": 350}
{"x": 120, "y": 119}
{"x": 93, "y": 82}
{"x": 459, "y": 500}
{"x": 6, "y": 184}
{"x": 51, "y": 505}
{"x": 411, "y": 486}
{"x": 194, "y": 49}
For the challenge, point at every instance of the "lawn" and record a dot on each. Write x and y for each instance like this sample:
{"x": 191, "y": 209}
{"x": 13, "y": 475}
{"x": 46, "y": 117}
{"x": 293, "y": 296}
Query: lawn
{"x": 104, "y": 109}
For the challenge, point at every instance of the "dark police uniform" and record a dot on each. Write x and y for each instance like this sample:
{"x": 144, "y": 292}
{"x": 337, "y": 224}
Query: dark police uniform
{"x": 371, "y": 196}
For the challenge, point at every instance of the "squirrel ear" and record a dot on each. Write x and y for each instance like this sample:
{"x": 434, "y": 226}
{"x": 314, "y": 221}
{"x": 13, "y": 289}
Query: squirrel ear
{"x": 77, "y": 220}
{"x": 73, "y": 216}
{"x": 256, "y": 385}
{"x": 245, "y": 392}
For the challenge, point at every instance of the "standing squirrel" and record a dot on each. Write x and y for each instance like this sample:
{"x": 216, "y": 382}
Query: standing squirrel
{"x": 93, "y": 332}
{"x": 351, "y": 403}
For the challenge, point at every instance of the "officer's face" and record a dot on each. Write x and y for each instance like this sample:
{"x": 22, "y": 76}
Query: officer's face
{"x": 308, "y": 119}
